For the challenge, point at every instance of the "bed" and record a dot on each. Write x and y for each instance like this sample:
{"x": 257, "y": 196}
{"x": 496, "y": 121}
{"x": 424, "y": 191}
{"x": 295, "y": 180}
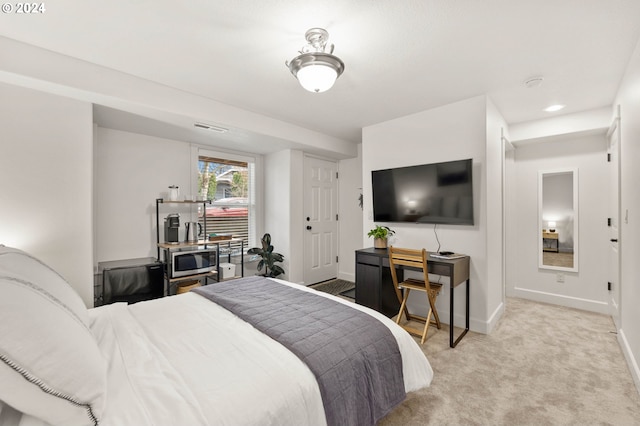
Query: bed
{"x": 182, "y": 359}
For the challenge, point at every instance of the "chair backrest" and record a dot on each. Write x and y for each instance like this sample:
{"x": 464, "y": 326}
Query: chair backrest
{"x": 407, "y": 257}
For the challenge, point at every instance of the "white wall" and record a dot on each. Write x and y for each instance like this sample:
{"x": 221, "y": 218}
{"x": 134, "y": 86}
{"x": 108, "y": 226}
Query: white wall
{"x": 24, "y": 64}
{"x": 296, "y": 218}
{"x": 450, "y": 132}
{"x": 629, "y": 100}
{"x": 46, "y": 173}
{"x": 350, "y": 215}
{"x": 279, "y": 200}
{"x": 585, "y": 289}
{"x": 493, "y": 194}
{"x": 132, "y": 170}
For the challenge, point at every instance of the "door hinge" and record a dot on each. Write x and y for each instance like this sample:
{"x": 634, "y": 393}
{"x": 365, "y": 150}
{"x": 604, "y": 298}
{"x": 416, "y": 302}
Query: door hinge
{"x": 608, "y": 221}
{"x": 609, "y": 286}
{"x": 608, "y": 157}
{"x": 336, "y": 259}
{"x": 336, "y": 175}
{"x": 336, "y": 216}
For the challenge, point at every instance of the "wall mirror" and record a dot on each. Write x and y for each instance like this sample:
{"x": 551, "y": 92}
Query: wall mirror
{"x": 558, "y": 219}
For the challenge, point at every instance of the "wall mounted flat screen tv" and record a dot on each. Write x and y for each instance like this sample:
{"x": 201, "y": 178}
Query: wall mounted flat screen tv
{"x": 439, "y": 193}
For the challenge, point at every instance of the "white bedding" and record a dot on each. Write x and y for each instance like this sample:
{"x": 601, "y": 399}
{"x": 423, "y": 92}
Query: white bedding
{"x": 183, "y": 360}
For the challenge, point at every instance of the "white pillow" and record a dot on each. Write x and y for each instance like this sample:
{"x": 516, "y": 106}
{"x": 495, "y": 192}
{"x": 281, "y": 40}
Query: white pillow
{"x": 17, "y": 263}
{"x": 50, "y": 364}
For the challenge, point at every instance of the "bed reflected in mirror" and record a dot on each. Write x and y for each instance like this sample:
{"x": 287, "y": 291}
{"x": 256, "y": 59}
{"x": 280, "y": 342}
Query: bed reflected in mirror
{"x": 558, "y": 219}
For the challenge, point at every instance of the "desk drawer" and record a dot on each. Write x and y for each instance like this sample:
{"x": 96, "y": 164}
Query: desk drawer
{"x": 368, "y": 259}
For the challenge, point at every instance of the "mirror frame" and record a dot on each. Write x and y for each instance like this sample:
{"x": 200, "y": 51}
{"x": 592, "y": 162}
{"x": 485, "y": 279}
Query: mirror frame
{"x": 576, "y": 237}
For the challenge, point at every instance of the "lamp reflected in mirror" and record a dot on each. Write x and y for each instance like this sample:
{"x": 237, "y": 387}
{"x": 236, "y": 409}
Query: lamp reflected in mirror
{"x": 558, "y": 219}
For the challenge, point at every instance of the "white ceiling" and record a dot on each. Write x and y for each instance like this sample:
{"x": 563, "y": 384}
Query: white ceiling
{"x": 401, "y": 57}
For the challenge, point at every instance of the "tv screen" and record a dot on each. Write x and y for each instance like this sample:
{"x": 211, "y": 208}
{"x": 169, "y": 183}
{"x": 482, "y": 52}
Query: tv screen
{"x": 428, "y": 193}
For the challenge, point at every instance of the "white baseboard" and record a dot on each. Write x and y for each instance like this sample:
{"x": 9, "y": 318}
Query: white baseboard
{"x": 475, "y": 325}
{"x": 494, "y": 318}
{"x": 418, "y": 305}
{"x": 630, "y": 358}
{"x": 558, "y": 299}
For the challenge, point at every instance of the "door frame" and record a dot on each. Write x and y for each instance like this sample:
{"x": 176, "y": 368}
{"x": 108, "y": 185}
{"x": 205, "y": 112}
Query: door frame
{"x": 507, "y": 150}
{"x": 615, "y": 305}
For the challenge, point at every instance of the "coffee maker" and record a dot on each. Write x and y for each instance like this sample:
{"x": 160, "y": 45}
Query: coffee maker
{"x": 171, "y": 228}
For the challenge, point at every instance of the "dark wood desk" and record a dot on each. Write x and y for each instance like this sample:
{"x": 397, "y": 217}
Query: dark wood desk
{"x": 374, "y": 285}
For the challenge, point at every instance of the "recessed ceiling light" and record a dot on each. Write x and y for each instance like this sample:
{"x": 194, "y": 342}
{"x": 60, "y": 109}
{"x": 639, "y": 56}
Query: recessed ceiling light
{"x": 554, "y": 108}
{"x": 210, "y": 127}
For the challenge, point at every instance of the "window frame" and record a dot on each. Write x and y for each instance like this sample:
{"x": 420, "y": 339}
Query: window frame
{"x": 255, "y": 197}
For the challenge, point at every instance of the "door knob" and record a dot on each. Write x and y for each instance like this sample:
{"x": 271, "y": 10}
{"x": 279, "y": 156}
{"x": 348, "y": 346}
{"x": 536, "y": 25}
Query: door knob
{"x": 308, "y": 228}
{"x": 614, "y": 240}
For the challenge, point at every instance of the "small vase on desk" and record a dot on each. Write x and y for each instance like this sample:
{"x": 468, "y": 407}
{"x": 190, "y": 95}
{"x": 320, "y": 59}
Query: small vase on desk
{"x": 380, "y": 243}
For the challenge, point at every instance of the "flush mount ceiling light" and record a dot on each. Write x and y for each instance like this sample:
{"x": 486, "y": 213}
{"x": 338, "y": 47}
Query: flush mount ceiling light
{"x": 316, "y": 68}
{"x": 554, "y": 108}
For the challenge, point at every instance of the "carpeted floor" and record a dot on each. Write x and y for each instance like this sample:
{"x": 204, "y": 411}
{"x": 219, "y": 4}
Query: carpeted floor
{"x": 542, "y": 365}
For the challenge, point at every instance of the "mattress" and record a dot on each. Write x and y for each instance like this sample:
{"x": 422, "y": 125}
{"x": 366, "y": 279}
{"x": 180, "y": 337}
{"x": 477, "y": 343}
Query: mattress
{"x": 185, "y": 360}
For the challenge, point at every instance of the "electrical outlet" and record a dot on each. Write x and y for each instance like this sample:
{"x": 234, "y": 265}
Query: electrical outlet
{"x": 560, "y": 277}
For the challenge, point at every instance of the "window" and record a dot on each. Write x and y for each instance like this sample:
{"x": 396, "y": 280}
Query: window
{"x": 228, "y": 181}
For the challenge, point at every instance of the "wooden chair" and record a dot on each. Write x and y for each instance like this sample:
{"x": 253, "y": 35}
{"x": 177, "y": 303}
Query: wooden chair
{"x": 416, "y": 259}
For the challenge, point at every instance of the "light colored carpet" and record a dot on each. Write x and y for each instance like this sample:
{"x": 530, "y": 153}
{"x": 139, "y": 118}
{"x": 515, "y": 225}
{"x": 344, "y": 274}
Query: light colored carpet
{"x": 542, "y": 365}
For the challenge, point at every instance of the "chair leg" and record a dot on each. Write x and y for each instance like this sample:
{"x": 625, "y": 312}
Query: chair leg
{"x": 403, "y": 307}
{"x": 432, "y": 303}
{"x": 426, "y": 327}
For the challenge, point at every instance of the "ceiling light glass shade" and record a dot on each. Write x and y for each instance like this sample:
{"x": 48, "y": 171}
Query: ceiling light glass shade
{"x": 315, "y": 68}
{"x": 316, "y": 72}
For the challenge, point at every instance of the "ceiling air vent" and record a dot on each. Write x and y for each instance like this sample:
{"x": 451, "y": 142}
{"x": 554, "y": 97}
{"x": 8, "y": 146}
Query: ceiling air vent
{"x": 210, "y": 127}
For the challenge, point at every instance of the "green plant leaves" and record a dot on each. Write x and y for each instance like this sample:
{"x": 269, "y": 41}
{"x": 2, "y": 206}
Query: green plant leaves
{"x": 269, "y": 258}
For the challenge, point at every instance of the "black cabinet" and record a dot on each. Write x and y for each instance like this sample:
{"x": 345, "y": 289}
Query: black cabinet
{"x": 129, "y": 280}
{"x": 374, "y": 285}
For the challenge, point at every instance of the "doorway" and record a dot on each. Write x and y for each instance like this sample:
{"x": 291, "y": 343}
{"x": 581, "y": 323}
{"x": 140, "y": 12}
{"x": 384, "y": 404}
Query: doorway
{"x": 613, "y": 156}
{"x": 320, "y": 220}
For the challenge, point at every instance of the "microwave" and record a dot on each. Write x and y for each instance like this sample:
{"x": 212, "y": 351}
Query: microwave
{"x": 191, "y": 262}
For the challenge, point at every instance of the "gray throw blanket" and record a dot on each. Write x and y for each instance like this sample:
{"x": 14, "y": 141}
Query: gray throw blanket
{"x": 354, "y": 357}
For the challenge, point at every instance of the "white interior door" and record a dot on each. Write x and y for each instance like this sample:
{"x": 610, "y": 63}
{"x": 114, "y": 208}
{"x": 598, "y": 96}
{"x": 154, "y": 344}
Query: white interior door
{"x": 320, "y": 221}
{"x": 614, "y": 216}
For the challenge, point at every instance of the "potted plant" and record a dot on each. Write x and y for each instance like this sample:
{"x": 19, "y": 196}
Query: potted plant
{"x": 380, "y": 235}
{"x": 269, "y": 258}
